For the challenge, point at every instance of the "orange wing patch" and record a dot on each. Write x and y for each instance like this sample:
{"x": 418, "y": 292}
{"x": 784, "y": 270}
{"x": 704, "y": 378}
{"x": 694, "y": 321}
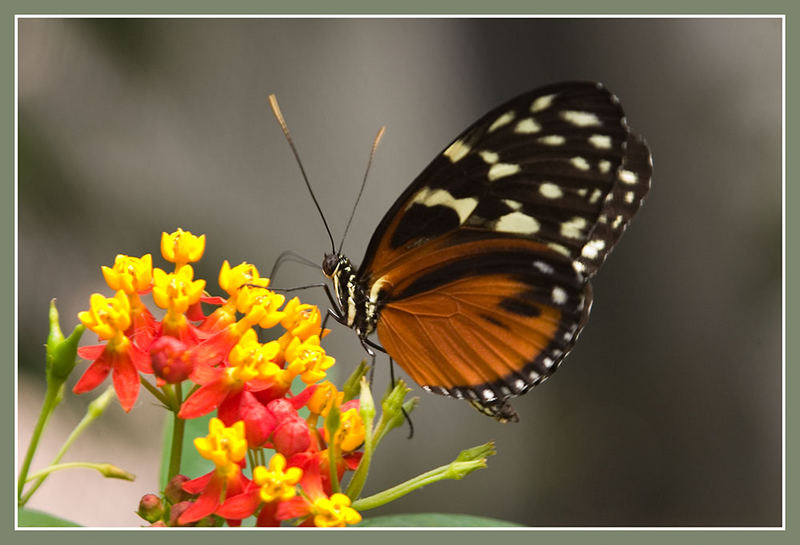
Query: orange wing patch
{"x": 461, "y": 336}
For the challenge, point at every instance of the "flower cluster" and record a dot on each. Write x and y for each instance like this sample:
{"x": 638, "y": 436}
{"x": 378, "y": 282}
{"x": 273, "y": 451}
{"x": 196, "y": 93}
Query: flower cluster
{"x": 247, "y": 382}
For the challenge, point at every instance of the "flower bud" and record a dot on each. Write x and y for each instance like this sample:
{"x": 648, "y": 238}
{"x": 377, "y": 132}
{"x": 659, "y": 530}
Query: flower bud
{"x": 151, "y": 508}
{"x": 291, "y": 436}
{"x": 281, "y": 409}
{"x": 174, "y": 491}
{"x": 170, "y": 359}
{"x": 259, "y": 423}
{"x": 176, "y": 511}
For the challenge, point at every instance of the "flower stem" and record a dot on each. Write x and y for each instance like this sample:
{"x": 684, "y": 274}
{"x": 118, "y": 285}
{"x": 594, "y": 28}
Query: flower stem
{"x": 367, "y": 410}
{"x": 107, "y": 470}
{"x": 51, "y": 399}
{"x": 158, "y": 394}
{"x": 176, "y": 449}
{"x": 93, "y": 412}
{"x": 467, "y": 462}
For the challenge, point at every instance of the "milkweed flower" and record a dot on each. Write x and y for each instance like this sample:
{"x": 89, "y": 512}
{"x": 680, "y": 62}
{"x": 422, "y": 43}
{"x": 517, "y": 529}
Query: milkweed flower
{"x": 226, "y": 447}
{"x": 182, "y": 247}
{"x": 316, "y": 507}
{"x": 270, "y": 486}
{"x": 246, "y": 381}
{"x": 110, "y": 317}
{"x": 134, "y": 276}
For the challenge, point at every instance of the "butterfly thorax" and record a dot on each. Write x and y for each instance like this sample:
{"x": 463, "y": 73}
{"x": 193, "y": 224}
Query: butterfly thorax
{"x": 356, "y": 309}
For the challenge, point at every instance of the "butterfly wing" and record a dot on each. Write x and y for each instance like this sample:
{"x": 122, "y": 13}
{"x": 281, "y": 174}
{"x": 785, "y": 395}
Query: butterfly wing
{"x": 480, "y": 269}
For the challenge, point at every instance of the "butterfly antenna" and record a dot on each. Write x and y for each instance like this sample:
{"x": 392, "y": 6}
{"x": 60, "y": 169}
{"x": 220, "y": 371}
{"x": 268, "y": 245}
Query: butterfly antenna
{"x": 363, "y": 184}
{"x": 273, "y": 102}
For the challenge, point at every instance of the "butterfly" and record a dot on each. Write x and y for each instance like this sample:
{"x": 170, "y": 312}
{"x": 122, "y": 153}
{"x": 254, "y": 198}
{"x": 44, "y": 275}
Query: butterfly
{"x": 477, "y": 279}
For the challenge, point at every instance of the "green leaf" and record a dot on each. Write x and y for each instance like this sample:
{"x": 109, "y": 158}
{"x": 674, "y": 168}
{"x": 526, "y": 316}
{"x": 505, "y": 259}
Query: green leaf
{"x": 431, "y": 520}
{"x": 31, "y": 518}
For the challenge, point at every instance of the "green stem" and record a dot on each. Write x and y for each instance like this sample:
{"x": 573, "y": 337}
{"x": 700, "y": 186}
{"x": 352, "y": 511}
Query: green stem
{"x": 367, "y": 411}
{"x": 176, "y": 449}
{"x": 93, "y": 412}
{"x": 454, "y": 470}
{"x": 107, "y": 470}
{"x": 51, "y": 399}
{"x": 158, "y": 394}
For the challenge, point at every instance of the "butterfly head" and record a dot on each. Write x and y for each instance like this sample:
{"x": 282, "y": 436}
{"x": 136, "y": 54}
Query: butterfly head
{"x": 332, "y": 264}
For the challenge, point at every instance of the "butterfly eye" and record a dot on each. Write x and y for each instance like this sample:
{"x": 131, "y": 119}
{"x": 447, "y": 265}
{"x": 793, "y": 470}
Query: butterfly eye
{"x": 329, "y": 264}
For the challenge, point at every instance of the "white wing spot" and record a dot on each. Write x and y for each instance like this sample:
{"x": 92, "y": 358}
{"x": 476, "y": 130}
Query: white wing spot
{"x": 578, "y": 266}
{"x": 592, "y": 248}
{"x": 595, "y": 196}
{"x": 580, "y": 163}
{"x": 542, "y": 103}
{"x": 440, "y": 197}
{"x": 552, "y": 140}
{"x": 559, "y": 295}
{"x": 487, "y": 394}
{"x": 558, "y": 248}
{"x": 581, "y": 119}
{"x": 550, "y": 190}
{"x": 514, "y": 205}
{"x": 548, "y": 362}
{"x": 456, "y": 151}
{"x": 489, "y": 156}
{"x": 604, "y": 166}
{"x": 533, "y": 375}
{"x": 517, "y": 222}
{"x": 628, "y": 177}
{"x": 600, "y": 141}
{"x": 582, "y": 191}
{"x": 616, "y": 223}
{"x": 543, "y": 267}
{"x": 504, "y": 119}
{"x": 573, "y": 228}
{"x": 629, "y": 197}
{"x": 602, "y": 218}
{"x": 501, "y": 170}
{"x": 527, "y": 126}
{"x": 519, "y": 384}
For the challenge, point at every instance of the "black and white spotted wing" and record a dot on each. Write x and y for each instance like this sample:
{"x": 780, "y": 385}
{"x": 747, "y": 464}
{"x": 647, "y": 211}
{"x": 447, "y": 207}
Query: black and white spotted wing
{"x": 477, "y": 278}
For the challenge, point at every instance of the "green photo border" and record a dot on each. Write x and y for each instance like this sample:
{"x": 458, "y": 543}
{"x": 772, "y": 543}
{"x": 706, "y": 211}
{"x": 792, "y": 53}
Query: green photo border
{"x": 420, "y": 7}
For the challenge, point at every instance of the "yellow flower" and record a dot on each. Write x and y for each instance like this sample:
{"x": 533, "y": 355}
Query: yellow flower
{"x": 231, "y": 279}
{"x": 109, "y": 317}
{"x": 250, "y": 359}
{"x": 351, "y": 432}
{"x": 177, "y": 291}
{"x": 226, "y": 447}
{"x": 324, "y": 396}
{"x": 301, "y": 320}
{"x": 277, "y": 482}
{"x": 260, "y": 306}
{"x": 130, "y": 274}
{"x": 308, "y": 359}
{"x": 334, "y": 512}
{"x": 182, "y": 247}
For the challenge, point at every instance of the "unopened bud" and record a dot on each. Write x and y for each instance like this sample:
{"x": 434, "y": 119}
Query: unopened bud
{"x": 151, "y": 508}
{"x": 174, "y": 491}
{"x": 170, "y": 359}
{"x": 176, "y": 511}
{"x": 291, "y": 436}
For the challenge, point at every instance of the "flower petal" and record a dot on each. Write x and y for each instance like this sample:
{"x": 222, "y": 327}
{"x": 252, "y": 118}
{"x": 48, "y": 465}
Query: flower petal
{"x": 204, "y": 400}
{"x": 94, "y": 375}
{"x": 126, "y": 381}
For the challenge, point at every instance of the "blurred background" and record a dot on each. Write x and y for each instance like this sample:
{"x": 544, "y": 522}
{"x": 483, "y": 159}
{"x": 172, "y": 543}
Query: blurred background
{"x": 667, "y": 412}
